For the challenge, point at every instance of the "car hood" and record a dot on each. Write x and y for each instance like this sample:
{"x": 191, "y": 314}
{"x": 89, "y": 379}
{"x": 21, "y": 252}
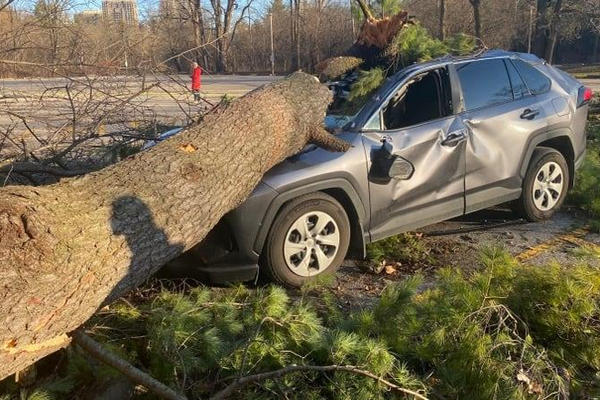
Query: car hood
{"x": 314, "y": 163}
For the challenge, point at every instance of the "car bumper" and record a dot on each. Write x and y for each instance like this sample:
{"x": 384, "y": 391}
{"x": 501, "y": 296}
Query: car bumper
{"x": 579, "y": 159}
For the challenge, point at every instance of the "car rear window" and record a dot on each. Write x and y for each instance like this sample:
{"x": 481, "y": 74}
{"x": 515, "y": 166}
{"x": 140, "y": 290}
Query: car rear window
{"x": 484, "y": 83}
{"x": 536, "y": 81}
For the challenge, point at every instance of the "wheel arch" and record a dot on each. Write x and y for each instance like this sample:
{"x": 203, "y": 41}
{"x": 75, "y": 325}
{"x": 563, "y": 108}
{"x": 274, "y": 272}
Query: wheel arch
{"x": 339, "y": 189}
{"x": 558, "y": 140}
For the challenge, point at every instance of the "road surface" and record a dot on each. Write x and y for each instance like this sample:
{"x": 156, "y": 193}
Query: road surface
{"x": 593, "y": 84}
{"x": 48, "y": 106}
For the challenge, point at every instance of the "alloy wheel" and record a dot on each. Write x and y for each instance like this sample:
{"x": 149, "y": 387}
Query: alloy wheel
{"x": 548, "y": 186}
{"x": 311, "y": 243}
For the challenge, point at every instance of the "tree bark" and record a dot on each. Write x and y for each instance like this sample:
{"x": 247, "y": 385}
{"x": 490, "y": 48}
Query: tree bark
{"x": 66, "y": 249}
{"x": 476, "y": 4}
{"x": 541, "y": 29}
{"x": 442, "y": 19}
{"x": 553, "y": 31}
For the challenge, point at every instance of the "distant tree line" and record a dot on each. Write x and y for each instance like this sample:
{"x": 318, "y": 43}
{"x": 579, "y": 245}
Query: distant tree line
{"x": 235, "y": 35}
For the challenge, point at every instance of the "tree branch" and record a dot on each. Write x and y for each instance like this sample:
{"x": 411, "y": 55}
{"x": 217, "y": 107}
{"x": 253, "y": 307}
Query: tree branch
{"x": 229, "y": 390}
{"x": 136, "y": 375}
{"x": 8, "y": 3}
{"x": 365, "y": 10}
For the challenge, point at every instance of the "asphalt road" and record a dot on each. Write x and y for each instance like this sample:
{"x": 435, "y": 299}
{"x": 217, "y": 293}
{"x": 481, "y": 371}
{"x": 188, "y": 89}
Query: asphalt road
{"x": 593, "y": 84}
{"x": 242, "y": 81}
{"x": 45, "y": 103}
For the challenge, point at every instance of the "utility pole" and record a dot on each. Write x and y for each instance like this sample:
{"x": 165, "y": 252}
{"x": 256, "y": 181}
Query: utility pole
{"x": 272, "y": 47}
{"x": 530, "y": 35}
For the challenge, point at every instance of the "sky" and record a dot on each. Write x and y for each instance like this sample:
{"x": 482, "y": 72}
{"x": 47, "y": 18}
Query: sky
{"x": 145, "y": 7}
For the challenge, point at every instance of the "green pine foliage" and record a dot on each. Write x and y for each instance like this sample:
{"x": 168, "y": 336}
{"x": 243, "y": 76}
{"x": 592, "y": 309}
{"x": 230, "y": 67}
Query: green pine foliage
{"x": 586, "y": 192}
{"x": 507, "y": 331}
{"x": 461, "y": 44}
{"x": 367, "y": 83}
{"x": 406, "y": 247}
{"x": 414, "y": 43}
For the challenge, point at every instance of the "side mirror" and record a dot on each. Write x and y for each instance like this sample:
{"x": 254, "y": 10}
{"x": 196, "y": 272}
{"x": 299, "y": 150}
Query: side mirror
{"x": 386, "y": 165}
{"x": 401, "y": 169}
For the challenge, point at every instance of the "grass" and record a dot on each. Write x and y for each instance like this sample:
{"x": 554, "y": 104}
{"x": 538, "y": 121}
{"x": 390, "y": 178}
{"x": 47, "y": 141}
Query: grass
{"x": 586, "y": 192}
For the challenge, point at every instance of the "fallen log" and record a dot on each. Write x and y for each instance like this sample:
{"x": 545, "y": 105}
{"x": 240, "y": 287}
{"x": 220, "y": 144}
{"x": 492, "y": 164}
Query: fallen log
{"x": 66, "y": 249}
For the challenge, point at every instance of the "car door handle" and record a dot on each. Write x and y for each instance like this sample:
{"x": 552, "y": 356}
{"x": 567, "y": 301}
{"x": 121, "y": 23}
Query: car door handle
{"x": 530, "y": 114}
{"x": 454, "y": 138}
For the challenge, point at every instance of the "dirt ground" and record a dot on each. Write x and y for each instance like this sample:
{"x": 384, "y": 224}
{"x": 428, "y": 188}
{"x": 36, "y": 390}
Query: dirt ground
{"x": 456, "y": 243}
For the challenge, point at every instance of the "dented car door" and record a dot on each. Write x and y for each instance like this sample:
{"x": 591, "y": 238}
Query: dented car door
{"x": 416, "y": 172}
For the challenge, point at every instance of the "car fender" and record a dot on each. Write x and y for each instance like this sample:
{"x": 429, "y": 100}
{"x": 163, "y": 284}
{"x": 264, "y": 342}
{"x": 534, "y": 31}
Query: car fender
{"x": 535, "y": 141}
{"x": 324, "y": 185}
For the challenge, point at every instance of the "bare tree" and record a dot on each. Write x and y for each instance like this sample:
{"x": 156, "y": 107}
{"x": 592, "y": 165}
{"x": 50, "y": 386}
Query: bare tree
{"x": 442, "y": 19}
{"x": 476, "y": 4}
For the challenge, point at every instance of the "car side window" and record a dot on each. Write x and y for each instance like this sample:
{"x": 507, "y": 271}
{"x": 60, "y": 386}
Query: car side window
{"x": 536, "y": 81}
{"x": 424, "y": 98}
{"x": 484, "y": 83}
{"x": 518, "y": 86}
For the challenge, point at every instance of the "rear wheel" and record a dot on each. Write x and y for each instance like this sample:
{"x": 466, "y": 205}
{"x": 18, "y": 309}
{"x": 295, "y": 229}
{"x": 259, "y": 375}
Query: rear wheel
{"x": 309, "y": 237}
{"x": 545, "y": 186}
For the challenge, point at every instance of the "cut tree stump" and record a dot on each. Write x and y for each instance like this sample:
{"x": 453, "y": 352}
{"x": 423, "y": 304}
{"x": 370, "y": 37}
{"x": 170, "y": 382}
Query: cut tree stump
{"x": 369, "y": 49}
{"x": 68, "y": 248}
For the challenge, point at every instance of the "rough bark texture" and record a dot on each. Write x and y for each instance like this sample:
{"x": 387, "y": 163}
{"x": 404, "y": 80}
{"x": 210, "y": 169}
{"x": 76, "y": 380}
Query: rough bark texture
{"x": 335, "y": 67}
{"x": 68, "y": 248}
{"x": 476, "y": 4}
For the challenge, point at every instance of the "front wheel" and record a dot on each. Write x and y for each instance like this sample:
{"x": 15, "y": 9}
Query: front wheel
{"x": 309, "y": 237}
{"x": 545, "y": 186}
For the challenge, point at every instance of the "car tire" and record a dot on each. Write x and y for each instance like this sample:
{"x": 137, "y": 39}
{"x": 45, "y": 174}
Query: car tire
{"x": 293, "y": 235}
{"x": 545, "y": 185}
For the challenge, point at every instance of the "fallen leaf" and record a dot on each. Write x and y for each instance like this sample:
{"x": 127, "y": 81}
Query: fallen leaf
{"x": 521, "y": 377}
{"x": 389, "y": 269}
{"x": 535, "y": 388}
{"x": 188, "y": 148}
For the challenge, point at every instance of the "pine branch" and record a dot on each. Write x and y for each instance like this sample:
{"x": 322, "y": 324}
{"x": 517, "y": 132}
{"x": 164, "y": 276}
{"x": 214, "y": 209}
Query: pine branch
{"x": 230, "y": 389}
{"x": 96, "y": 350}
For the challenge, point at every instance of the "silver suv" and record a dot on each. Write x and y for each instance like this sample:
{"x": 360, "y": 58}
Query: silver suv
{"x": 438, "y": 140}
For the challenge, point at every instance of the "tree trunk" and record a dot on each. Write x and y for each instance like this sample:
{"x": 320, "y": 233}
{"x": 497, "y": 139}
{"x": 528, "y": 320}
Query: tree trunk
{"x": 553, "y": 31}
{"x": 66, "y": 249}
{"x": 477, "y": 16}
{"x": 295, "y": 34}
{"x": 442, "y": 19}
{"x": 541, "y": 28}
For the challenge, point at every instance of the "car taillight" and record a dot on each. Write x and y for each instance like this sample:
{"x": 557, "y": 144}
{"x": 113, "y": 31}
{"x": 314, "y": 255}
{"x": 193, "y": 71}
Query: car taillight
{"x": 584, "y": 97}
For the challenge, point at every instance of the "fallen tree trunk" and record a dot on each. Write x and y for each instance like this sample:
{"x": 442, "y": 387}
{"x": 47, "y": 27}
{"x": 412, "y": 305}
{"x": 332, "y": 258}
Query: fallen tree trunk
{"x": 68, "y": 248}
